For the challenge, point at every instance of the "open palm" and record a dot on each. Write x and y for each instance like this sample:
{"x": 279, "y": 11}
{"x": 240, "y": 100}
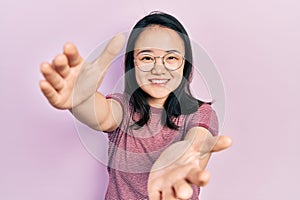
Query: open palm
{"x": 69, "y": 80}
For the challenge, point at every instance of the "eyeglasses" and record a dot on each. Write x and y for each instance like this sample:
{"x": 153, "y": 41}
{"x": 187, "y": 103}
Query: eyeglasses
{"x": 146, "y": 62}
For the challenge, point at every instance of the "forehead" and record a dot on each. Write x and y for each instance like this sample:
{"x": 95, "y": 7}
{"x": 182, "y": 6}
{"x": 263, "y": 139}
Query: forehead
{"x": 158, "y": 37}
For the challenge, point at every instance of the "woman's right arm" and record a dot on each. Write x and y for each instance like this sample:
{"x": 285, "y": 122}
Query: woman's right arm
{"x": 71, "y": 83}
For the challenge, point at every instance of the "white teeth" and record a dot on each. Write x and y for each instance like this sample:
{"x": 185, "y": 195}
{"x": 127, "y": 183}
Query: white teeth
{"x": 159, "y": 81}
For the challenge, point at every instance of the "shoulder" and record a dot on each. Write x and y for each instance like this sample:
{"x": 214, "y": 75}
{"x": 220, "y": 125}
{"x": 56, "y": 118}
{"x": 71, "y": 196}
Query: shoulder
{"x": 205, "y": 116}
{"x": 120, "y": 102}
{"x": 120, "y": 97}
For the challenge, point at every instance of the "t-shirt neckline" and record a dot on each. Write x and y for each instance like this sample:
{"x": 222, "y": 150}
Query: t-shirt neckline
{"x": 156, "y": 110}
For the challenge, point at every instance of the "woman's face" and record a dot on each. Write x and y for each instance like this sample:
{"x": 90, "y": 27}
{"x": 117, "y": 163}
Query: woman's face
{"x": 159, "y": 82}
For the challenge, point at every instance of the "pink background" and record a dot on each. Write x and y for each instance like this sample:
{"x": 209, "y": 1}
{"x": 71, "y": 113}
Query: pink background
{"x": 254, "y": 44}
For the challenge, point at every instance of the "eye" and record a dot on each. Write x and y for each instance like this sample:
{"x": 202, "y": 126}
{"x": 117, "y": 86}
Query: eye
{"x": 172, "y": 58}
{"x": 146, "y": 58}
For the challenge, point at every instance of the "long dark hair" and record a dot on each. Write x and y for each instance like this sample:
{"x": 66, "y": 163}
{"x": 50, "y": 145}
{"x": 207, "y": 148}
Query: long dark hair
{"x": 180, "y": 101}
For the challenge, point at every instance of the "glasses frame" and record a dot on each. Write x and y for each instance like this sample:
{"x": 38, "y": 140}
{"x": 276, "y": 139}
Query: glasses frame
{"x": 163, "y": 62}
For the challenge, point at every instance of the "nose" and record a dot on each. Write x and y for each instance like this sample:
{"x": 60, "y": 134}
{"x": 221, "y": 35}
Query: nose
{"x": 159, "y": 67}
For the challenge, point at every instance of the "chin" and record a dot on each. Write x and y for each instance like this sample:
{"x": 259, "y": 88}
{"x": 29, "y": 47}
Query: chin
{"x": 157, "y": 92}
{"x": 159, "y": 95}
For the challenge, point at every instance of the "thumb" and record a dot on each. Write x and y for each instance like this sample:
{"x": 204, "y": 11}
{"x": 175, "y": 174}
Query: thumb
{"x": 111, "y": 50}
{"x": 223, "y": 142}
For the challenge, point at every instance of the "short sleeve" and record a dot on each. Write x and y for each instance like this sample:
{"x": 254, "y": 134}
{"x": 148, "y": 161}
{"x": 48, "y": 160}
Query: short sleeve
{"x": 205, "y": 117}
{"x": 117, "y": 96}
{"x": 123, "y": 100}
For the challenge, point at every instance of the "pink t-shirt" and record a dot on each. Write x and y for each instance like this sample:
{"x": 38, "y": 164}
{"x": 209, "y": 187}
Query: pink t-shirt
{"x": 132, "y": 152}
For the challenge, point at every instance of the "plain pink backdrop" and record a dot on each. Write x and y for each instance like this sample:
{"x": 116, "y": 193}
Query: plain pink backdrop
{"x": 254, "y": 44}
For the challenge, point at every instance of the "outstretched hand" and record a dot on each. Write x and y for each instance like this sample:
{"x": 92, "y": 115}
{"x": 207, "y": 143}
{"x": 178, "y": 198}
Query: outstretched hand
{"x": 69, "y": 80}
{"x": 182, "y": 164}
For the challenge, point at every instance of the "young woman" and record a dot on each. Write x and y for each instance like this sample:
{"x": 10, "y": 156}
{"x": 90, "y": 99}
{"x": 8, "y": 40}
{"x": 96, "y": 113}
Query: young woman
{"x": 160, "y": 136}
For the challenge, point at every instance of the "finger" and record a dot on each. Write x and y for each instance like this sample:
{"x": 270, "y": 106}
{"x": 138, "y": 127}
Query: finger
{"x": 72, "y": 53}
{"x": 52, "y": 76}
{"x": 198, "y": 177}
{"x": 111, "y": 50}
{"x": 223, "y": 142}
{"x": 154, "y": 195}
{"x": 60, "y": 64}
{"x": 49, "y": 92}
{"x": 183, "y": 190}
{"x": 204, "y": 160}
{"x": 168, "y": 194}
{"x": 154, "y": 188}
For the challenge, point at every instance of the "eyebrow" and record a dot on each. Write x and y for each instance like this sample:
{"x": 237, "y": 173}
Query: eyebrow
{"x": 150, "y": 51}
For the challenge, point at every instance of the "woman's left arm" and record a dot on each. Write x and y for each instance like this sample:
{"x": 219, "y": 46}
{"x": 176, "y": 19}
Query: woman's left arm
{"x": 183, "y": 163}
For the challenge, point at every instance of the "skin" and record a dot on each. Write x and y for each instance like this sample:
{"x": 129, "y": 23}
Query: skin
{"x": 169, "y": 178}
{"x": 183, "y": 163}
{"x": 158, "y": 41}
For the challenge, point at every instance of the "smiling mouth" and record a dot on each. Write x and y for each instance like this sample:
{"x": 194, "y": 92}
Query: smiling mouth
{"x": 159, "y": 81}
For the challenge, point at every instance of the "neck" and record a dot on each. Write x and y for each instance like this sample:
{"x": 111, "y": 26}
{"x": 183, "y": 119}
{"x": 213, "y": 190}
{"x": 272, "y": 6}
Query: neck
{"x": 157, "y": 103}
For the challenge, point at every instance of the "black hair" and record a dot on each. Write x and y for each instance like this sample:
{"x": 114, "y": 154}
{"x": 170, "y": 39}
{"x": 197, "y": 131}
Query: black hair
{"x": 180, "y": 101}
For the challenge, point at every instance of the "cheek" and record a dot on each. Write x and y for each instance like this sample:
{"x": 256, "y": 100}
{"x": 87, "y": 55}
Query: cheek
{"x": 139, "y": 78}
{"x": 178, "y": 76}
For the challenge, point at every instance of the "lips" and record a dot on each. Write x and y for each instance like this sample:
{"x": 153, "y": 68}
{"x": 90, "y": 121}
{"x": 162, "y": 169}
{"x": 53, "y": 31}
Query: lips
{"x": 159, "y": 81}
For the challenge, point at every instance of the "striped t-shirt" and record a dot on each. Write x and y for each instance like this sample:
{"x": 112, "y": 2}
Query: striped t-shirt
{"x": 133, "y": 151}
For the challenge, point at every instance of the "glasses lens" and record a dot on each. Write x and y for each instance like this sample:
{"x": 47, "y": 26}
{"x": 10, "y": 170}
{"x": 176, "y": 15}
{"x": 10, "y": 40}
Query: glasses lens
{"x": 145, "y": 62}
{"x": 173, "y": 61}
